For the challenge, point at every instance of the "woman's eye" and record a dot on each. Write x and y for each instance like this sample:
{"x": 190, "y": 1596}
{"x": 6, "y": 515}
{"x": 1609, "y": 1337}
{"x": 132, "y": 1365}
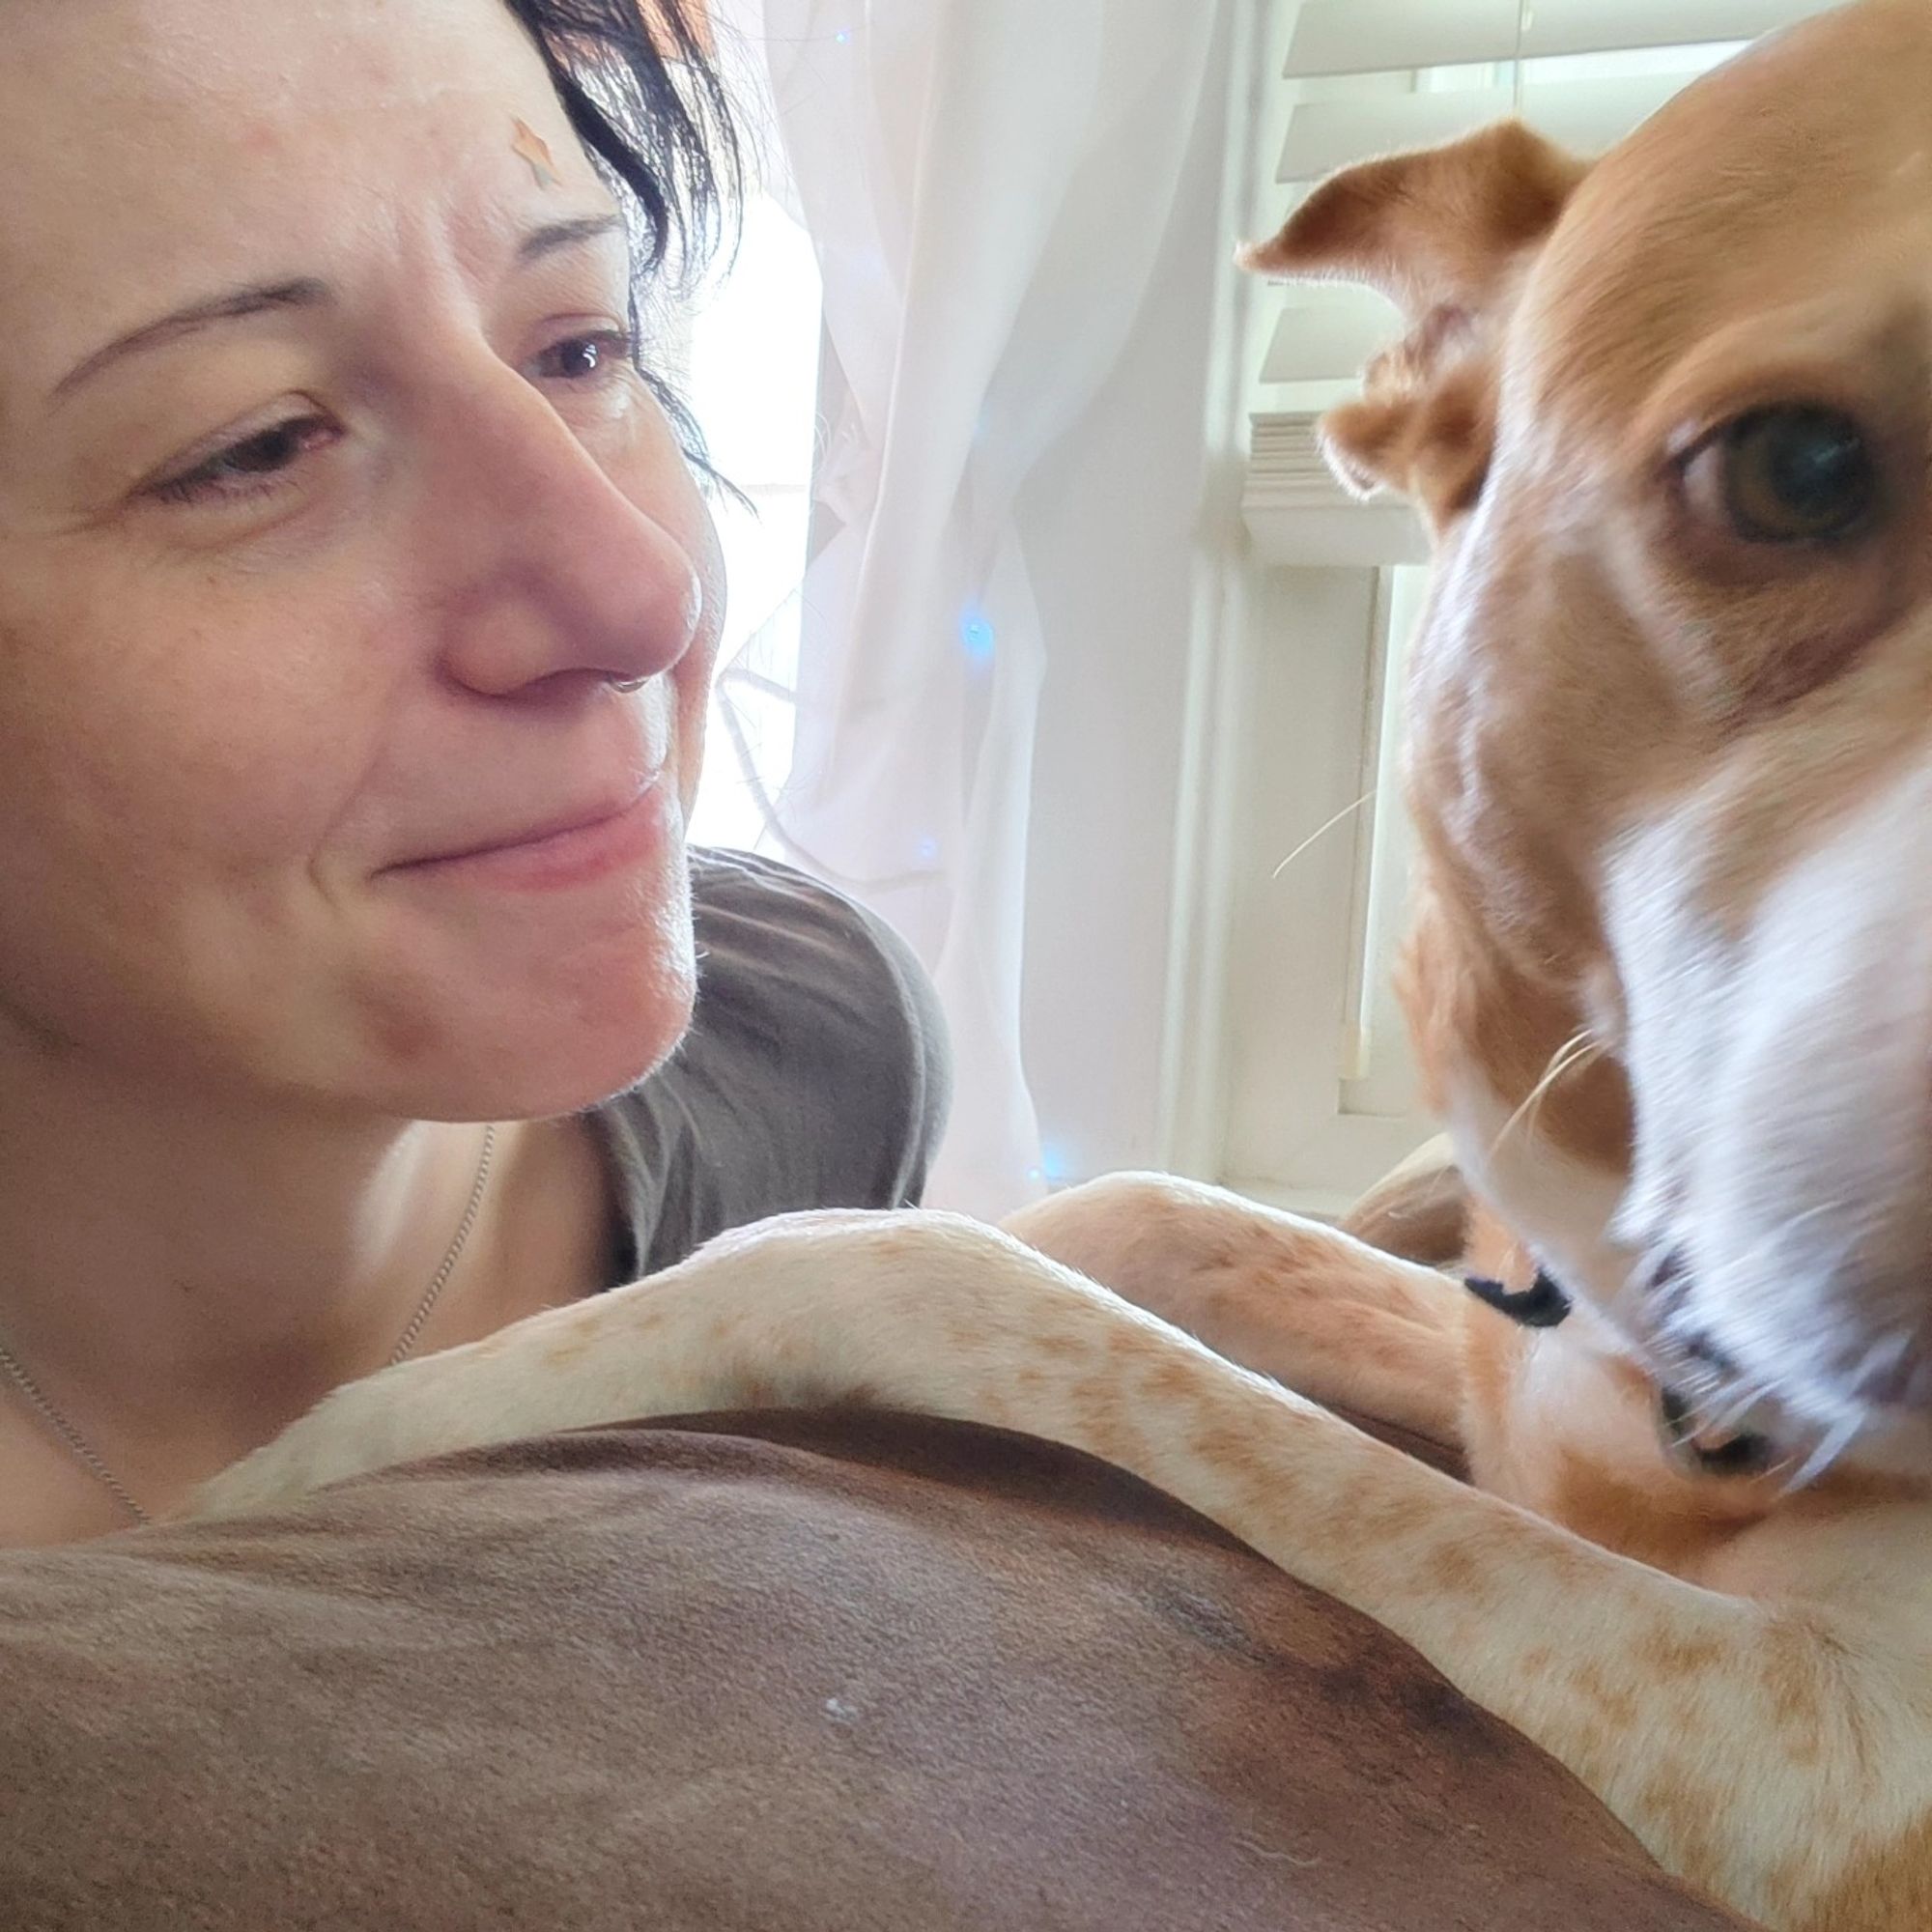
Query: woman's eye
{"x": 249, "y": 465}
{"x": 1796, "y": 475}
{"x": 583, "y": 359}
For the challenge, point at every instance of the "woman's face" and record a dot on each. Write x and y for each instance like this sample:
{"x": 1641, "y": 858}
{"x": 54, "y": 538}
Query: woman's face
{"x": 332, "y": 516}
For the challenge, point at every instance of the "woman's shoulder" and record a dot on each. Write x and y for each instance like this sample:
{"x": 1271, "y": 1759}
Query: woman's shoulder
{"x": 774, "y": 942}
{"x": 818, "y": 989}
{"x": 815, "y": 1072}
{"x": 756, "y": 911}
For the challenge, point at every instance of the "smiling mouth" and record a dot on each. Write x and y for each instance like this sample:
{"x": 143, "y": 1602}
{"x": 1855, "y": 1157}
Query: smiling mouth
{"x": 551, "y": 833}
{"x": 548, "y": 831}
{"x": 573, "y": 849}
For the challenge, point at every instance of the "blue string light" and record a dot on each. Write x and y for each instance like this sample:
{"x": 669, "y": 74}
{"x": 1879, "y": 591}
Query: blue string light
{"x": 975, "y": 633}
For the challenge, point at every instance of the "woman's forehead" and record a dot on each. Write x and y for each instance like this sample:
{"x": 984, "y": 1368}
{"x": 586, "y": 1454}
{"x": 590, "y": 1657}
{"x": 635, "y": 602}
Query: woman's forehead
{"x": 183, "y": 61}
{"x": 153, "y": 147}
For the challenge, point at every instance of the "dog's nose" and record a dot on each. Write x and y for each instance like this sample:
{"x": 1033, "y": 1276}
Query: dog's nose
{"x": 1701, "y": 1451}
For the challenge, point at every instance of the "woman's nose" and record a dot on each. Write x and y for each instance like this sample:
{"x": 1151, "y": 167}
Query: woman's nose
{"x": 553, "y": 567}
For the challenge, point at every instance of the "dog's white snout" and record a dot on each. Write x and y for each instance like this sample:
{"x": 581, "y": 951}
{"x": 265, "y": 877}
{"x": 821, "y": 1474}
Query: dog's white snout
{"x": 1781, "y": 1051}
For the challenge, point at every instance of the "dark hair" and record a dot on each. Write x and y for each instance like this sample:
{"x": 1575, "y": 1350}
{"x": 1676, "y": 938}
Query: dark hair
{"x": 639, "y": 83}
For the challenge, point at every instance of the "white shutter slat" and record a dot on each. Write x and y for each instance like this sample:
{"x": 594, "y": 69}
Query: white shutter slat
{"x": 1327, "y": 335}
{"x": 1297, "y": 514}
{"x": 1586, "y": 115}
{"x": 1613, "y": 26}
{"x": 1374, "y": 35}
{"x": 1327, "y": 135}
{"x": 1336, "y": 37}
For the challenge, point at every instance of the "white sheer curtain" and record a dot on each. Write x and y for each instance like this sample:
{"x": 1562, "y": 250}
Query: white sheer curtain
{"x": 985, "y": 183}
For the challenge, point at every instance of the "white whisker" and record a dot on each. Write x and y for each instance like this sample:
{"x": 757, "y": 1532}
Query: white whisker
{"x": 1746, "y": 1396}
{"x": 1836, "y": 1441}
{"x": 1581, "y": 1049}
{"x": 1322, "y": 832}
{"x": 1883, "y": 1357}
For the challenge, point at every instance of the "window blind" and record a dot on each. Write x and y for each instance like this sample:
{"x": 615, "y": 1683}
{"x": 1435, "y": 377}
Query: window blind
{"x": 1368, "y": 78}
{"x": 1374, "y": 36}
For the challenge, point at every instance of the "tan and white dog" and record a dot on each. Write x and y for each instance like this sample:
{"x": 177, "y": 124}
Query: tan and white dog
{"x": 1670, "y": 417}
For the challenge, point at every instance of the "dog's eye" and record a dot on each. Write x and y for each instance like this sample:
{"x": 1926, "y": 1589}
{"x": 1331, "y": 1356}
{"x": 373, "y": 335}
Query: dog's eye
{"x": 1788, "y": 475}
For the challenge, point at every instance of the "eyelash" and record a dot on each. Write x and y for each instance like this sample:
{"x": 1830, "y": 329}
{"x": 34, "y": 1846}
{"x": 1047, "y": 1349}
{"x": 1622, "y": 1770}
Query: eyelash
{"x": 215, "y": 479}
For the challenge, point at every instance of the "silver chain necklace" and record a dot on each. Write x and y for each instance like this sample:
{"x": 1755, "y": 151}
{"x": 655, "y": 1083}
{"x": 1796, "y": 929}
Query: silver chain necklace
{"x": 89, "y": 1458}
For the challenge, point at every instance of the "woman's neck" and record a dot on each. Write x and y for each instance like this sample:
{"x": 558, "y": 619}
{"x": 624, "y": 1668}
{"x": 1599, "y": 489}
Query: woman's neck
{"x": 184, "y": 1281}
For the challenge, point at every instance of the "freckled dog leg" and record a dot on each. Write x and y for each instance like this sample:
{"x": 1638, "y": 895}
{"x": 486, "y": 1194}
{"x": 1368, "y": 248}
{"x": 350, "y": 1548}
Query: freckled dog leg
{"x": 1338, "y": 1321}
{"x": 1708, "y": 1723}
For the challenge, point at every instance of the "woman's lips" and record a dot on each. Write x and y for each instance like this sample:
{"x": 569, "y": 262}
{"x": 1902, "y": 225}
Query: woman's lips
{"x": 589, "y": 847}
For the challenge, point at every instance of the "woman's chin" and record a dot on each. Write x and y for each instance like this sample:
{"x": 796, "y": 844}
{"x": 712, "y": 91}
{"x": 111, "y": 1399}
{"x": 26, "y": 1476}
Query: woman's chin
{"x": 506, "y": 1017}
{"x": 515, "y": 1047}
{"x": 570, "y": 1055}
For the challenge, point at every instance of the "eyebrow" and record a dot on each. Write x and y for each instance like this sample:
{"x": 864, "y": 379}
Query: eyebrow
{"x": 548, "y": 239}
{"x": 304, "y": 293}
{"x": 230, "y": 307}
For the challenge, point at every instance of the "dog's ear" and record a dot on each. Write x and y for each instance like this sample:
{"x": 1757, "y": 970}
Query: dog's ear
{"x": 1445, "y": 233}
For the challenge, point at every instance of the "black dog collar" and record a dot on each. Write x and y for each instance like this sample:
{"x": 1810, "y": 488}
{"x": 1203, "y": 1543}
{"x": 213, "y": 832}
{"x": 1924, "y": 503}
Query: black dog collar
{"x": 1543, "y": 1306}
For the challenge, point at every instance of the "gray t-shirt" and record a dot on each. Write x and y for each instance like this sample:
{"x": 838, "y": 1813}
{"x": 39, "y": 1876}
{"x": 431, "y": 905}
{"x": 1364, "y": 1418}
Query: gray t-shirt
{"x": 815, "y": 1074}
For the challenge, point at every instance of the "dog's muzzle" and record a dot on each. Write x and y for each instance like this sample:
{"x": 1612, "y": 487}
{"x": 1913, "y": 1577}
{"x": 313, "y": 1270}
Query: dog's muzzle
{"x": 1697, "y": 1453}
{"x": 1546, "y": 1304}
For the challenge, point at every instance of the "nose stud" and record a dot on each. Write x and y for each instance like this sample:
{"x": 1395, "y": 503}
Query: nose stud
{"x": 627, "y": 685}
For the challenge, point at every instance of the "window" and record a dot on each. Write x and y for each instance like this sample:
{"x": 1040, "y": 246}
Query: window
{"x": 751, "y": 373}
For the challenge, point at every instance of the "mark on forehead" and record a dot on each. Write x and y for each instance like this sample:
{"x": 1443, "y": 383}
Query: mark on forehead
{"x": 531, "y": 147}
